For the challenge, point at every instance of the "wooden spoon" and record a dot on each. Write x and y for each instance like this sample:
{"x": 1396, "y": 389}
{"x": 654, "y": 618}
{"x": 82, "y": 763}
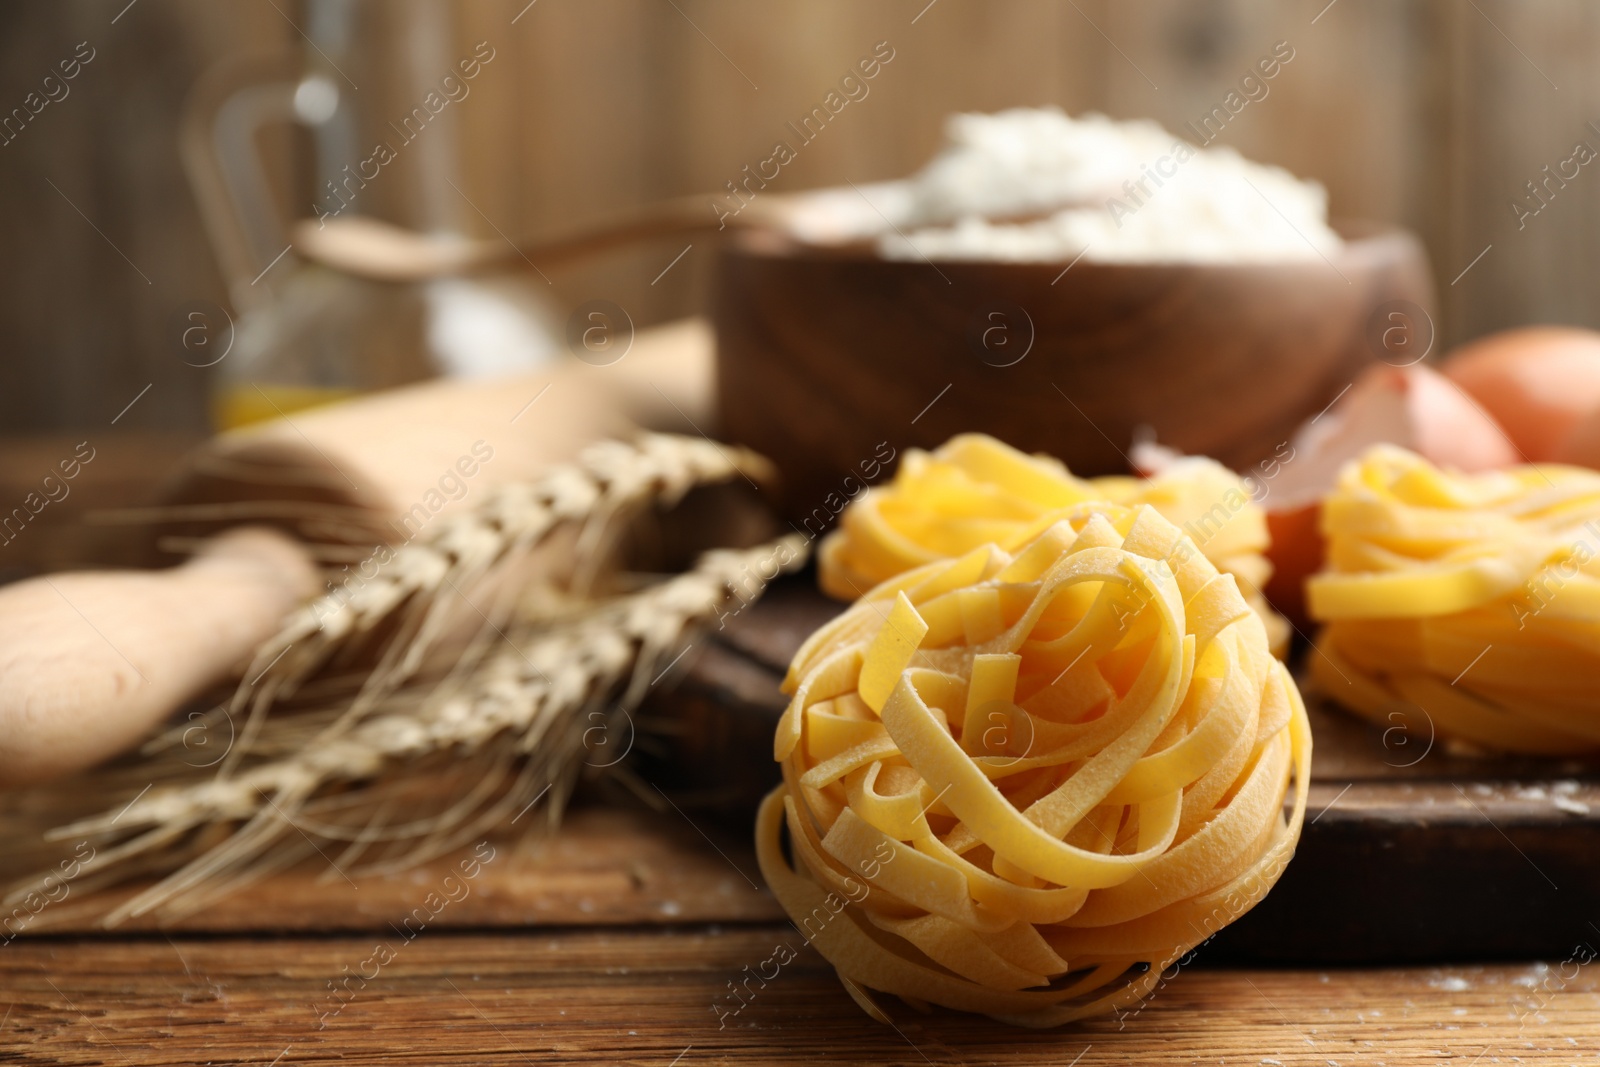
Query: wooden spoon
{"x": 371, "y": 248}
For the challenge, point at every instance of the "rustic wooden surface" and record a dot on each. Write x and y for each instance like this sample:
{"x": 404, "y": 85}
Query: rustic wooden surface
{"x": 645, "y": 996}
{"x": 124, "y": 472}
{"x": 610, "y": 865}
{"x": 615, "y": 939}
{"x": 1431, "y": 114}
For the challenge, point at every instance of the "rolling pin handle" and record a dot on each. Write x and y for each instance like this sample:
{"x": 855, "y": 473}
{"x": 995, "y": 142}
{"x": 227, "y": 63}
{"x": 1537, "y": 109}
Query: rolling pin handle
{"x": 92, "y": 662}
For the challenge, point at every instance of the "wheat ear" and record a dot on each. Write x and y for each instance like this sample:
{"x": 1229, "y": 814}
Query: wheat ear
{"x": 609, "y": 480}
{"x": 514, "y": 729}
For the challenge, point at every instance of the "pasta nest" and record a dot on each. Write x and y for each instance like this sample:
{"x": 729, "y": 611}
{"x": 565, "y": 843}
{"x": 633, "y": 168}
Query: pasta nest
{"x": 1023, "y": 785}
{"x": 1475, "y": 598}
{"x": 976, "y": 490}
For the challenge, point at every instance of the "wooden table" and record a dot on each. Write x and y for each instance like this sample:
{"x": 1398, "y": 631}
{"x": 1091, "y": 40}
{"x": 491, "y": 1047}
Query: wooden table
{"x": 616, "y": 940}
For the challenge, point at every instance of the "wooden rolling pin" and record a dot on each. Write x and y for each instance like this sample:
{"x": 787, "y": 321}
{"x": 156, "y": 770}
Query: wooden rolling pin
{"x": 91, "y": 663}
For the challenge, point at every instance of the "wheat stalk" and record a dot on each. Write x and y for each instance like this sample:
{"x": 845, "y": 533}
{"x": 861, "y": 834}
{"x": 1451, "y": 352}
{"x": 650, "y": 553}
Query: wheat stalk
{"x": 513, "y": 730}
{"x": 486, "y": 732}
{"x": 610, "y": 479}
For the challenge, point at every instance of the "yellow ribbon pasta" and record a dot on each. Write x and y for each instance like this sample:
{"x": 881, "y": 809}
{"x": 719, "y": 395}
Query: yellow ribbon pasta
{"x": 1475, "y": 598}
{"x": 1023, "y": 785}
{"x": 975, "y": 490}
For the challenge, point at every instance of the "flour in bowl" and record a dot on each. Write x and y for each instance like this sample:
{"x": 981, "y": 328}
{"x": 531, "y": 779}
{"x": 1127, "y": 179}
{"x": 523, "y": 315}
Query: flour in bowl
{"x": 1033, "y": 184}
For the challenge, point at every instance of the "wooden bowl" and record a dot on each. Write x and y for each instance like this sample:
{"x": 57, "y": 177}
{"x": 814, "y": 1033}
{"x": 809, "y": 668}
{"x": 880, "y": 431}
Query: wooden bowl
{"x": 829, "y": 360}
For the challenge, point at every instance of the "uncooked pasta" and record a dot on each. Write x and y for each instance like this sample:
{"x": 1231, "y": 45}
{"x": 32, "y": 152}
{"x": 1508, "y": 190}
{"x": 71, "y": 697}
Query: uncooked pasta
{"x": 974, "y": 489}
{"x": 1023, "y": 784}
{"x": 1474, "y": 598}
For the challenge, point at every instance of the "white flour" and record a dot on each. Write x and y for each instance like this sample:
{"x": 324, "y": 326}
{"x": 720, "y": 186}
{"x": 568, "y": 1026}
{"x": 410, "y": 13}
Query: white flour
{"x": 1035, "y": 184}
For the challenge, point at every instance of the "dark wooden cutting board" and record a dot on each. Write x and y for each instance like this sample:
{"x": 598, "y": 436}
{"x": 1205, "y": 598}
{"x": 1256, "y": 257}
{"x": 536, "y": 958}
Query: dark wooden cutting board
{"x": 1410, "y": 851}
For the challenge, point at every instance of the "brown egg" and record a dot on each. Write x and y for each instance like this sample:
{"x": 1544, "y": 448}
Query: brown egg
{"x": 1538, "y": 382}
{"x": 1582, "y": 445}
{"x": 1412, "y": 407}
{"x": 1296, "y": 552}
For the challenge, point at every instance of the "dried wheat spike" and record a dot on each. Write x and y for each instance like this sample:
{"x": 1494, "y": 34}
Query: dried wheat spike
{"x": 517, "y": 724}
{"x": 609, "y": 480}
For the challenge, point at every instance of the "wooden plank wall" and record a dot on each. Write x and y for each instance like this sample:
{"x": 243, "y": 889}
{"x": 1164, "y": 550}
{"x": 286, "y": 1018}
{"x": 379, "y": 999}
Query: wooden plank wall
{"x": 1426, "y": 113}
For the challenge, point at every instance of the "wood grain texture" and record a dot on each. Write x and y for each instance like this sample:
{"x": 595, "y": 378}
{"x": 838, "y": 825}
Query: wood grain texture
{"x": 1518, "y": 88}
{"x": 124, "y": 473}
{"x": 646, "y": 997}
{"x": 1426, "y": 113}
{"x": 608, "y": 866}
{"x": 87, "y": 328}
{"x": 827, "y": 360}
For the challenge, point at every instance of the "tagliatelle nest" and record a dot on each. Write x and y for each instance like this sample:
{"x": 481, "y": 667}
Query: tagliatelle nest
{"x": 1474, "y": 597}
{"x": 976, "y": 490}
{"x": 1024, "y": 785}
